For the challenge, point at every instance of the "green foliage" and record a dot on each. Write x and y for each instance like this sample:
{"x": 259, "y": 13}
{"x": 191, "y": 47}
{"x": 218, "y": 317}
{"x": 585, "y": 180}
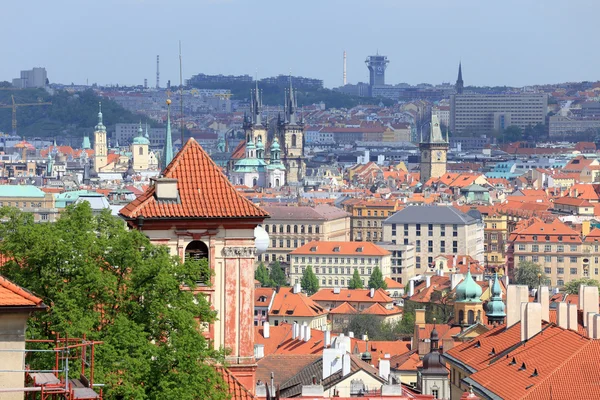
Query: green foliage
{"x": 262, "y": 275}
{"x": 309, "y": 282}
{"x": 277, "y": 275}
{"x": 355, "y": 282}
{"x": 375, "y": 329}
{"x": 376, "y": 280}
{"x": 69, "y": 114}
{"x": 111, "y": 284}
{"x": 572, "y": 287}
{"x": 511, "y": 134}
{"x": 530, "y": 274}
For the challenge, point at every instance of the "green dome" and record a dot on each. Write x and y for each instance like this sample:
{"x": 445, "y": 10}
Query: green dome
{"x": 495, "y": 307}
{"x": 468, "y": 290}
{"x": 275, "y": 144}
{"x": 260, "y": 145}
{"x": 140, "y": 140}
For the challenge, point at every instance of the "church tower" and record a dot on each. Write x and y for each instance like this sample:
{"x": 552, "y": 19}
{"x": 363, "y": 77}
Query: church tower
{"x": 291, "y": 132}
{"x": 433, "y": 379}
{"x": 100, "y": 144}
{"x": 139, "y": 150}
{"x": 433, "y": 152}
{"x": 459, "y": 80}
{"x": 468, "y": 307}
{"x": 495, "y": 309}
{"x": 254, "y": 128}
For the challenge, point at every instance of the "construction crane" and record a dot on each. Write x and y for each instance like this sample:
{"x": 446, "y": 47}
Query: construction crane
{"x": 14, "y": 110}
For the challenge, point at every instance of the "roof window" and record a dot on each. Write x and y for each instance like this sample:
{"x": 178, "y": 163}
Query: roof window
{"x": 336, "y": 249}
{"x": 313, "y": 249}
{"x": 359, "y": 249}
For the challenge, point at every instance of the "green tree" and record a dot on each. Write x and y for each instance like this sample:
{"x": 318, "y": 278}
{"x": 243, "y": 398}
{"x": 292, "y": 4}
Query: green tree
{"x": 355, "y": 282}
{"x": 511, "y": 134}
{"x": 112, "y": 285}
{"x": 277, "y": 275}
{"x": 572, "y": 287}
{"x": 309, "y": 282}
{"x": 376, "y": 280}
{"x": 530, "y": 274}
{"x": 262, "y": 275}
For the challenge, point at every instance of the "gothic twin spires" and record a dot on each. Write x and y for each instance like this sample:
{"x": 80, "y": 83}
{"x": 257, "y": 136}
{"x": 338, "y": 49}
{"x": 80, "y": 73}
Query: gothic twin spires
{"x": 290, "y": 106}
{"x": 168, "y": 149}
{"x": 256, "y": 106}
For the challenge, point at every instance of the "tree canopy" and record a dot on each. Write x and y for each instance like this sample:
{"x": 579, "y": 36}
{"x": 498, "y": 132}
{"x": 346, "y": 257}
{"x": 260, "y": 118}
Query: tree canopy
{"x": 277, "y": 275}
{"x": 530, "y": 274}
{"x": 309, "y": 282}
{"x": 262, "y": 275}
{"x": 355, "y": 282}
{"x": 376, "y": 280}
{"x": 112, "y": 285}
{"x": 572, "y": 287}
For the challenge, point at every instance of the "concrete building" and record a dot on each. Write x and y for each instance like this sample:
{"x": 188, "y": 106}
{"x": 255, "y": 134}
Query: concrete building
{"x": 403, "y": 261}
{"x": 368, "y": 217}
{"x": 334, "y": 262}
{"x": 559, "y": 125}
{"x": 435, "y": 230}
{"x": 484, "y": 113}
{"x": 293, "y": 226}
{"x": 29, "y": 199}
{"x": 125, "y": 133}
{"x": 33, "y": 78}
{"x": 443, "y": 114}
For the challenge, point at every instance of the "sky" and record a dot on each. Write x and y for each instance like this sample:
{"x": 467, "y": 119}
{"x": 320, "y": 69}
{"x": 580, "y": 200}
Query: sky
{"x": 508, "y": 42}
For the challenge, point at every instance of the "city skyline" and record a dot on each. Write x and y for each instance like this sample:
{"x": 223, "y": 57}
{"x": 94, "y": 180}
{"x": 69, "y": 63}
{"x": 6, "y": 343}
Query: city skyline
{"x": 104, "y": 44}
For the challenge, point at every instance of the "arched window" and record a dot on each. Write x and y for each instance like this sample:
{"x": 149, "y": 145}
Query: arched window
{"x": 254, "y": 182}
{"x": 461, "y": 317}
{"x": 197, "y": 250}
{"x": 471, "y": 317}
{"x": 141, "y": 151}
{"x": 241, "y": 181}
{"x": 277, "y": 182}
{"x": 295, "y": 228}
{"x": 288, "y": 229}
{"x": 294, "y": 140}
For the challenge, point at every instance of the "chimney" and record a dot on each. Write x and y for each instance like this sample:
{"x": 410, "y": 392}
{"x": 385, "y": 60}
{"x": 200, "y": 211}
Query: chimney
{"x": 372, "y": 293}
{"x": 454, "y": 262}
{"x": 259, "y": 351}
{"x": 515, "y": 295}
{"x": 313, "y": 391}
{"x": 294, "y": 331}
{"x": 296, "y": 288}
{"x": 364, "y": 338}
{"x": 420, "y": 316}
{"x": 336, "y": 290}
{"x": 561, "y": 315}
{"x": 441, "y": 272}
{"x": 580, "y": 298}
{"x": 572, "y": 317}
{"x": 307, "y": 333}
{"x": 266, "y": 330}
{"x": 455, "y": 280}
{"x": 464, "y": 260}
{"x": 332, "y": 361}
{"x": 351, "y": 334}
{"x": 166, "y": 189}
{"x": 427, "y": 281}
{"x": 506, "y": 280}
{"x": 346, "y": 364}
{"x": 590, "y": 302}
{"x": 543, "y": 294}
{"x": 327, "y": 339}
{"x": 596, "y": 326}
{"x": 301, "y": 331}
{"x": 411, "y": 288}
{"x": 585, "y": 228}
{"x": 384, "y": 369}
{"x": 531, "y": 320}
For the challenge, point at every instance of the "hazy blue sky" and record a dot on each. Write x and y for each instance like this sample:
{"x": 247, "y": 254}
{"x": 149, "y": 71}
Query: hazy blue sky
{"x": 512, "y": 42}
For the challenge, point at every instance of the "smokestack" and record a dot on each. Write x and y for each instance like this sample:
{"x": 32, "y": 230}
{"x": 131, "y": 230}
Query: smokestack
{"x": 411, "y": 288}
{"x": 327, "y": 343}
{"x": 427, "y": 281}
{"x": 344, "y": 77}
{"x": 372, "y": 293}
{"x": 266, "y": 330}
{"x": 543, "y": 295}
{"x": 157, "y": 72}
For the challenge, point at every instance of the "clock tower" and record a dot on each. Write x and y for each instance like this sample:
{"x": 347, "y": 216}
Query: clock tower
{"x": 434, "y": 150}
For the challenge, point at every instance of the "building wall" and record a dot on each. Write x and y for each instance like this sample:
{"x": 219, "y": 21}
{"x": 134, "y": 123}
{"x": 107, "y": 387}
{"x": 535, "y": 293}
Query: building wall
{"x": 42, "y": 208}
{"x": 495, "y": 236}
{"x": 336, "y": 271}
{"x": 100, "y": 150}
{"x": 367, "y": 220}
{"x": 402, "y": 261}
{"x": 319, "y": 322}
{"x": 468, "y": 238}
{"x": 12, "y": 337}
{"x": 485, "y": 112}
{"x": 140, "y": 157}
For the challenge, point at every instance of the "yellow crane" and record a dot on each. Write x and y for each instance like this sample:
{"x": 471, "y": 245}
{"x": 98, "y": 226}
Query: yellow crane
{"x": 14, "y": 106}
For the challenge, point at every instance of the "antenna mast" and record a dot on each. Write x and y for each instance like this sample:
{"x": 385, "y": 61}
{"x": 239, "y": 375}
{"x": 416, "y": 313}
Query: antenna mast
{"x": 344, "y": 77}
{"x": 157, "y": 73}
{"x": 181, "y": 91}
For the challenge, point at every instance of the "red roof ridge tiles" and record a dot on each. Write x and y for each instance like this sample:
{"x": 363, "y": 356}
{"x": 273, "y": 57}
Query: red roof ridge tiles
{"x": 13, "y": 295}
{"x": 204, "y": 191}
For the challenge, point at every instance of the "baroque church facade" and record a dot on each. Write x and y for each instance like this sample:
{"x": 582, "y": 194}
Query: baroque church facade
{"x": 276, "y": 163}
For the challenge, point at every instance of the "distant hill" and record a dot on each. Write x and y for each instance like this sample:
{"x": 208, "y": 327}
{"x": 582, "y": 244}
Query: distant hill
{"x": 71, "y": 114}
{"x": 273, "y": 95}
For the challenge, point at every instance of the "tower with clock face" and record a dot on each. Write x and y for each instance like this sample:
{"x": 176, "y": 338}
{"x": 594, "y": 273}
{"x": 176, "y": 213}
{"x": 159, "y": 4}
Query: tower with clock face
{"x": 434, "y": 150}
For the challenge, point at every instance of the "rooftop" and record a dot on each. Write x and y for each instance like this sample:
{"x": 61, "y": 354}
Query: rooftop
{"x": 431, "y": 214}
{"x": 341, "y": 249}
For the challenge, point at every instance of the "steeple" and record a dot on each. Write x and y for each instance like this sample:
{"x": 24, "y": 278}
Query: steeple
{"x": 435, "y": 131}
{"x": 275, "y": 151}
{"x": 256, "y": 106}
{"x": 495, "y": 309}
{"x": 100, "y": 127}
{"x": 168, "y": 149}
{"x": 459, "y": 80}
{"x": 290, "y": 105}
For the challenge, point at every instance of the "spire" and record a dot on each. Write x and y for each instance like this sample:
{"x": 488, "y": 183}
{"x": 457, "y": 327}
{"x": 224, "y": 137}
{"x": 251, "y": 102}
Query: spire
{"x": 435, "y": 131}
{"x": 168, "y": 149}
{"x": 459, "y": 80}
{"x": 495, "y": 309}
{"x": 100, "y": 127}
{"x": 433, "y": 337}
{"x": 146, "y": 135}
{"x": 140, "y": 130}
{"x": 290, "y": 106}
{"x": 256, "y": 106}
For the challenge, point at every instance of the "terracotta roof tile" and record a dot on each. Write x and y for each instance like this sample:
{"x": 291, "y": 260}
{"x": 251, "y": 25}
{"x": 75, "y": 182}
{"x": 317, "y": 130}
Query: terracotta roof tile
{"x": 287, "y": 303}
{"x": 344, "y": 308}
{"x": 363, "y": 249}
{"x": 352, "y": 295}
{"x": 237, "y": 391}
{"x": 204, "y": 192}
{"x": 12, "y": 295}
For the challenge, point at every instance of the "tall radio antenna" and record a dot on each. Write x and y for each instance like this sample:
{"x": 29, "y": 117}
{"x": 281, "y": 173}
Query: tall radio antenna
{"x": 181, "y": 92}
{"x": 344, "y": 77}
{"x": 157, "y": 73}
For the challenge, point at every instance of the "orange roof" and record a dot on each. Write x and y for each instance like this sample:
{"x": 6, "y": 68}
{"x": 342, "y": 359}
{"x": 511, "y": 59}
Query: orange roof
{"x": 237, "y": 391}
{"x": 352, "y": 295}
{"x": 280, "y": 341}
{"x": 204, "y": 192}
{"x": 341, "y": 249}
{"x": 260, "y": 293}
{"x": 378, "y": 309}
{"x": 12, "y": 295}
{"x": 546, "y": 230}
{"x": 392, "y": 284}
{"x": 344, "y": 308}
{"x": 288, "y": 303}
{"x": 239, "y": 151}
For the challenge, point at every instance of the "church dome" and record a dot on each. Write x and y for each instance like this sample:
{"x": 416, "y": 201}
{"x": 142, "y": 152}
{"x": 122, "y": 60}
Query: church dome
{"x": 260, "y": 145}
{"x": 468, "y": 290}
{"x": 275, "y": 144}
{"x": 495, "y": 307}
{"x": 140, "y": 140}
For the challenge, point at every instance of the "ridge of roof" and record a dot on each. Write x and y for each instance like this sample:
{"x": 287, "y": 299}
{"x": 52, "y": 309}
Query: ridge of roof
{"x": 13, "y": 295}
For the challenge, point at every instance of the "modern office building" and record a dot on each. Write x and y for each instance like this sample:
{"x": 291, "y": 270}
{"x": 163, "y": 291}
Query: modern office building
{"x": 559, "y": 125}
{"x": 33, "y": 78}
{"x": 434, "y": 231}
{"x": 124, "y": 134}
{"x": 484, "y": 113}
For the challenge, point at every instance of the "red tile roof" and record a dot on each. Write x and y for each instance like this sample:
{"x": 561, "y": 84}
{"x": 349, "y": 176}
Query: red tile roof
{"x": 356, "y": 249}
{"x": 352, "y": 295}
{"x": 288, "y": 303}
{"x": 378, "y": 309}
{"x": 344, "y": 308}
{"x": 12, "y": 295}
{"x": 204, "y": 192}
{"x": 237, "y": 391}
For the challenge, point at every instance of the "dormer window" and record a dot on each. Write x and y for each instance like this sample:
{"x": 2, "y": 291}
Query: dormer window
{"x": 535, "y": 238}
{"x": 336, "y": 249}
{"x": 560, "y": 238}
{"x": 359, "y": 250}
{"x": 313, "y": 249}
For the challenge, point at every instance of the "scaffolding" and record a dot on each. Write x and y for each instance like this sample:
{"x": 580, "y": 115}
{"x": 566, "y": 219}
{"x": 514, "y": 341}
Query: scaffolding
{"x": 71, "y": 356}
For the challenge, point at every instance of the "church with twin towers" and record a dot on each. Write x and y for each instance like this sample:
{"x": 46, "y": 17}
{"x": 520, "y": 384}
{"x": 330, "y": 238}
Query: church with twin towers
{"x": 271, "y": 162}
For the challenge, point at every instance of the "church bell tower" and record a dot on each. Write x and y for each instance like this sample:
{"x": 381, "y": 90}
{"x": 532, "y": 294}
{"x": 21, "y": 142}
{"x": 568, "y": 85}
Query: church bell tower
{"x": 291, "y": 131}
{"x": 434, "y": 150}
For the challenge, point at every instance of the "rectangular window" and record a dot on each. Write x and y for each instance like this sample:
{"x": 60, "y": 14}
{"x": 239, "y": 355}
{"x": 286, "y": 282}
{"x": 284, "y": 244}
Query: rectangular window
{"x": 521, "y": 247}
{"x": 548, "y": 259}
{"x": 573, "y": 271}
{"x": 560, "y": 248}
{"x": 418, "y": 229}
{"x": 521, "y": 258}
{"x": 573, "y": 259}
{"x": 455, "y": 247}
{"x": 573, "y": 247}
{"x": 560, "y": 259}
{"x": 547, "y": 270}
{"x": 547, "y": 248}
{"x": 430, "y": 230}
{"x": 534, "y": 259}
{"x": 418, "y": 262}
{"x": 430, "y": 246}
{"x": 418, "y": 245}
{"x": 534, "y": 248}
{"x": 560, "y": 270}
{"x": 442, "y": 246}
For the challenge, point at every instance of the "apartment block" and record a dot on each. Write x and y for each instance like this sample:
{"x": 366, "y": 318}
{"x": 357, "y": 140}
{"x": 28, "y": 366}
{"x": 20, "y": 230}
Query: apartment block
{"x": 368, "y": 217}
{"x": 484, "y": 113}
